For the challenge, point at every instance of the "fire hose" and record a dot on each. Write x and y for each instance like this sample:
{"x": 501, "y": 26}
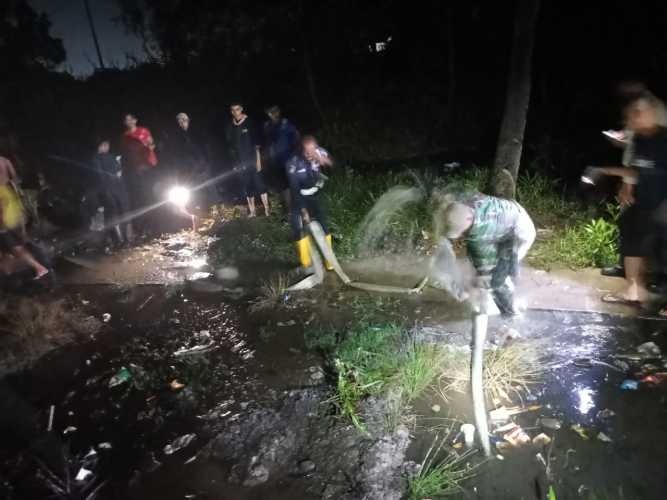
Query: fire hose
{"x": 480, "y": 322}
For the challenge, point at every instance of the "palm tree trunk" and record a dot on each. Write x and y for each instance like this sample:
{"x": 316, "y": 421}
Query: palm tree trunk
{"x": 510, "y": 140}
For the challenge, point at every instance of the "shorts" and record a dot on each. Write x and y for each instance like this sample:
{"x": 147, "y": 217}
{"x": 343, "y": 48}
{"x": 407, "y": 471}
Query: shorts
{"x": 276, "y": 176}
{"x": 253, "y": 181}
{"x": 635, "y": 230}
{"x": 10, "y": 239}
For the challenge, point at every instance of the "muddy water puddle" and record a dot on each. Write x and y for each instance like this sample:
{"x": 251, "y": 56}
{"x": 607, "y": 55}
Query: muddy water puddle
{"x": 610, "y": 441}
{"x": 167, "y": 363}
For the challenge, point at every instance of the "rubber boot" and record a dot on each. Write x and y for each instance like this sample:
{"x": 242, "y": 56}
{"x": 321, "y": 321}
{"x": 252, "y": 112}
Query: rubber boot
{"x": 328, "y": 265}
{"x": 303, "y": 251}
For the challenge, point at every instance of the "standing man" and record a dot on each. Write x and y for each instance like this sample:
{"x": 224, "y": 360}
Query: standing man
{"x": 190, "y": 159}
{"x": 282, "y": 141}
{"x": 498, "y": 234}
{"x": 111, "y": 188}
{"x": 244, "y": 144}
{"x": 12, "y": 238}
{"x": 305, "y": 181}
{"x": 139, "y": 160}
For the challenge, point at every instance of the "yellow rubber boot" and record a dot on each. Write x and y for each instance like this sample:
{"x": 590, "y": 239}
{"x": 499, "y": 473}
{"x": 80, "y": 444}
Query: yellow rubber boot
{"x": 328, "y": 264}
{"x": 303, "y": 251}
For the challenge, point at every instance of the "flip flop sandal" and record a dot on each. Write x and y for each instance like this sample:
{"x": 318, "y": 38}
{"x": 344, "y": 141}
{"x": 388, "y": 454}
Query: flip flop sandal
{"x": 617, "y": 299}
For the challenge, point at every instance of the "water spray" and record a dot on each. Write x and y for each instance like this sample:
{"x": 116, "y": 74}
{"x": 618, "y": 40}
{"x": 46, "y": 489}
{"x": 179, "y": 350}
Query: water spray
{"x": 480, "y": 318}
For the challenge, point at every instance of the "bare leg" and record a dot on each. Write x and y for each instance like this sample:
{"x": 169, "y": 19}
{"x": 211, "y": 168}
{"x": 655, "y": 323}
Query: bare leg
{"x": 634, "y": 277}
{"x": 251, "y": 206}
{"x": 265, "y": 202}
{"x": 27, "y": 257}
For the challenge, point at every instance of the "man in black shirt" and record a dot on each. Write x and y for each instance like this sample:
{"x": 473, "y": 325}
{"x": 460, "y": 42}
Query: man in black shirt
{"x": 644, "y": 193}
{"x": 244, "y": 143}
{"x": 112, "y": 194}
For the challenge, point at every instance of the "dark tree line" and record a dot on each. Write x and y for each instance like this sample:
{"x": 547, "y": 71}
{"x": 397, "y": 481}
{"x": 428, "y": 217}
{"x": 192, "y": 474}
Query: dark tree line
{"x": 376, "y": 79}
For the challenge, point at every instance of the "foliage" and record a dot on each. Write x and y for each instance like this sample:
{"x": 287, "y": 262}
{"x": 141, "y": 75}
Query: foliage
{"x": 271, "y": 292}
{"x": 376, "y": 360}
{"x": 441, "y": 472}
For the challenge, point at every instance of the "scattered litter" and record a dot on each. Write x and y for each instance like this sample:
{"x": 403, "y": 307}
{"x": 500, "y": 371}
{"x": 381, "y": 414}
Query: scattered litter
{"x": 550, "y": 423}
{"x": 603, "y": 437}
{"x": 179, "y": 443}
{"x": 655, "y": 378}
{"x": 517, "y": 437}
{"x": 589, "y": 363}
{"x": 105, "y": 446}
{"x": 198, "y": 349}
{"x": 630, "y": 385}
{"x": 541, "y": 439}
{"x": 500, "y": 457}
{"x": 649, "y": 349}
{"x": 83, "y": 474}
{"x": 290, "y": 322}
{"x": 468, "y": 431}
{"x": 605, "y": 414}
{"x": 123, "y": 375}
{"x": 552, "y": 493}
{"x": 85, "y": 302}
{"x": 435, "y": 408}
{"x": 582, "y": 490}
{"x": 145, "y": 302}
{"x": 175, "y": 385}
{"x": 499, "y": 414}
{"x": 49, "y": 426}
{"x": 106, "y": 317}
{"x": 580, "y": 430}
{"x": 503, "y": 429}
{"x": 227, "y": 273}
{"x": 200, "y": 275}
{"x": 190, "y": 460}
{"x": 69, "y": 430}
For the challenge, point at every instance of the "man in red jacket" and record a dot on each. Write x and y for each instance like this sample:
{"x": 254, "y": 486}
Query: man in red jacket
{"x": 139, "y": 160}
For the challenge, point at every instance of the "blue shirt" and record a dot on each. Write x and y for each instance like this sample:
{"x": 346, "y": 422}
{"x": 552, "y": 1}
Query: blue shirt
{"x": 281, "y": 140}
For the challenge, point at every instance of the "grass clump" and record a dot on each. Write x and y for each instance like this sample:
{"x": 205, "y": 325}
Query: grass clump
{"x": 271, "y": 292}
{"x": 374, "y": 360}
{"x": 29, "y": 329}
{"x": 508, "y": 371}
{"x": 441, "y": 473}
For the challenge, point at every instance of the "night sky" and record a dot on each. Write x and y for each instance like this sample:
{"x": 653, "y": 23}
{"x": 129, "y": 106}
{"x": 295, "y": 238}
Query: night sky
{"x": 68, "y": 18}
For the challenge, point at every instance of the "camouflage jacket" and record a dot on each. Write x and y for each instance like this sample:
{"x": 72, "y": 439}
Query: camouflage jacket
{"x": 492, "y": 230}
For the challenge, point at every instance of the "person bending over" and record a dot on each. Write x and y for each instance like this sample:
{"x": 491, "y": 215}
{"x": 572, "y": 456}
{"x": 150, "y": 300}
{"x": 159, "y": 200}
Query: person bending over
{"x": 498, "y": 234}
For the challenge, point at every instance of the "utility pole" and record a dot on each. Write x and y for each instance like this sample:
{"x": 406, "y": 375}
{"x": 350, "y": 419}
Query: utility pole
{"x": 94, "y": 33}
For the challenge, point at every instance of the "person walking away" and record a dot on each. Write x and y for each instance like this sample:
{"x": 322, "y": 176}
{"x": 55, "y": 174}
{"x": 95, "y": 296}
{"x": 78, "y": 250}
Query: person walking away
{"x": 498, "y": 234}
{"x": 281, "y": 142}
{"x": 644, "y": 194}
{"x": 190, "y": 159}
{"x": 304, "y": 175}
{"x": 138, "y": 161}
{"x": 244, "y": 144}
{"x": 112, "y": 190}
{"x": 12, "y": 234}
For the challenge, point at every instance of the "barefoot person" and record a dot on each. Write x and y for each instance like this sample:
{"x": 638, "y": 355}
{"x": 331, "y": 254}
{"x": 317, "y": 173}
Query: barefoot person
{"x": 498, "y": 234}
{"x": 643, "y": 194}
{"x": 244, "y": 143}
{"x": 305, "y": 181}
{"x": 11, "y": 221}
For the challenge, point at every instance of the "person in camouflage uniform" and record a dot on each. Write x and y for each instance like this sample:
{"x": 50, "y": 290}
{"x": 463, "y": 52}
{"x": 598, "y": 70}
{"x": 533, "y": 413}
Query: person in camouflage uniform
{"x": 498, "y": 234}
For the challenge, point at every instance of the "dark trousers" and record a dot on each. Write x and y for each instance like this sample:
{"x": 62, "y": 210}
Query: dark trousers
{"x": 313, "y": 207}
{"x": 139, "y": 185}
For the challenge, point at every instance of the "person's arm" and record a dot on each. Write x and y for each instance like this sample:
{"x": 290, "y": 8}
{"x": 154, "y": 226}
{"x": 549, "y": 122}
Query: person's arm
{"x": 293, "y": 182}
{"x": 324, "y": 157}
{"x": 626, "y": 196}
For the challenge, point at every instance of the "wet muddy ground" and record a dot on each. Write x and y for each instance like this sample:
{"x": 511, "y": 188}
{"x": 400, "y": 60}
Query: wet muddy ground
{"x": 210, "y": 400}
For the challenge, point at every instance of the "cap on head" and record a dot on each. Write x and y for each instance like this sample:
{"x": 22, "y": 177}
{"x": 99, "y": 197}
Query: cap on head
{"x": 458, "y": 219}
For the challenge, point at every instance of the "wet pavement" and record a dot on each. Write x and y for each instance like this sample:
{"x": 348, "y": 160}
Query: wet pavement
{"x": 190, "y": 363}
